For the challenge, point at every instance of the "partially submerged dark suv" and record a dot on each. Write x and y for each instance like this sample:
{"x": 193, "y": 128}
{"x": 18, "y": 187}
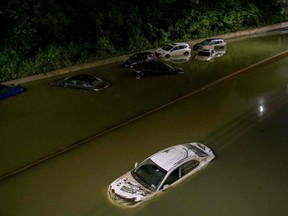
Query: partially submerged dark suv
{"x": 137, "y": 58}
{"x": 155, "y": 68}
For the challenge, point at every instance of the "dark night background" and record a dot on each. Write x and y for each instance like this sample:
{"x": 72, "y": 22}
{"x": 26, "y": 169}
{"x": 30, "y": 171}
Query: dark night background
{"x": 40, "y": 36}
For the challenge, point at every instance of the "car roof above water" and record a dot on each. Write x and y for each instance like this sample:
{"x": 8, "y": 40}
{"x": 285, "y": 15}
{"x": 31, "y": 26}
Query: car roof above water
{"x": 170, "y": 157}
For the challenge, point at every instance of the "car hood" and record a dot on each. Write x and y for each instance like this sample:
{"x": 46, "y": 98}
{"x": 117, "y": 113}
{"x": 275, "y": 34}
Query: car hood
{"x": 127, "y": 190}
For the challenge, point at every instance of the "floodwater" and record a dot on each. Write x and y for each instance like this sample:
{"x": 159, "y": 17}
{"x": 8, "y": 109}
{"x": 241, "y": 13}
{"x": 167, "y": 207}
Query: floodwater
{"x": 243, "y": 120}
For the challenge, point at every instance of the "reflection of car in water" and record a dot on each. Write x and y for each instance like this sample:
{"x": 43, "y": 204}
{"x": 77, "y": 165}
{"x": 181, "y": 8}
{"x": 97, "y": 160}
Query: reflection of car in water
{"x": 159, "y": 172}
{"x": 138, "y": 58}
{"x": 215, "y": 42}
{"x": 178, "y": 59}
{"x": 155, "y": 68}
{"x": 220, "y": 51}
{"x": 173, "y": 49}
{"x": 9, "y": 90}
{"x": 82, "y": 81}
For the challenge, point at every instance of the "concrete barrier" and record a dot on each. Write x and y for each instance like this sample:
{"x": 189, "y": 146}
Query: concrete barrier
{"x": 121, "y": 58}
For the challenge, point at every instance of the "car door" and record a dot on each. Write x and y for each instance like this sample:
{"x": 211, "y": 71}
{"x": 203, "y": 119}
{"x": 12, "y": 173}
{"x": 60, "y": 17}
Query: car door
{"x": 173, "y": 177}
{"x": 176, "y": 51}
{"x": 184, "y": 170}
{"x": 78, "y": 84}
{"x": 220, "y": 44}
{"x": 86, "y": 85}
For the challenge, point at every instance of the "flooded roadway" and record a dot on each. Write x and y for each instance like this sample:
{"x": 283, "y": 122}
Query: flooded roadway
{"x": 243, "y": 120}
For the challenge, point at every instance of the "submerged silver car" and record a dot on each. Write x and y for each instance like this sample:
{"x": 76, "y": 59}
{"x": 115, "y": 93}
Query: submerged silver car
{"x": 160, "y": 171}
{"x": 174, "y": 49}
{"x": 82, "y": 81}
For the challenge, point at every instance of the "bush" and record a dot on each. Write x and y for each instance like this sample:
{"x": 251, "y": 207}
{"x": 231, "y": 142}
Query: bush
{"x": 83, "y": 31}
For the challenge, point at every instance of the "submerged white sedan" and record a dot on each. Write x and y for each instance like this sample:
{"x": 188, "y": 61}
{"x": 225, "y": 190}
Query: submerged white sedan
{"x": 160, "y": 171}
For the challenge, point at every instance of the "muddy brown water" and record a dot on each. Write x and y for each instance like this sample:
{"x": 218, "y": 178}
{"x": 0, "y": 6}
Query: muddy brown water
{"x": 244, "y": 120}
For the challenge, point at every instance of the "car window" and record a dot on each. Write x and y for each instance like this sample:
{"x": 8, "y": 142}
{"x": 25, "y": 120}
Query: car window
{"x": 174, "y": 176}
{"x": 167, "y": 47}
{"x": 197, "y": 151}
{"x": 188, "y": 167}
{"x": 96, "y": 81}
{"x": 85, "y": 84}
{"x": 79, "y": 83}
{"x": 70, "y": 82}
{"x": 206, "y": 42}
{"x": 149, "y": 174}
{"x": 176, "y": 48}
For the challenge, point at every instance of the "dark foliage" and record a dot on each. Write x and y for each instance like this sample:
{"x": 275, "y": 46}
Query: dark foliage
{"x": 39, "y": 36}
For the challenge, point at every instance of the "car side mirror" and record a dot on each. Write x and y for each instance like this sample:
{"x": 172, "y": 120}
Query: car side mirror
{"x": 136, "y": 164}
{"x": 165, "y": 187}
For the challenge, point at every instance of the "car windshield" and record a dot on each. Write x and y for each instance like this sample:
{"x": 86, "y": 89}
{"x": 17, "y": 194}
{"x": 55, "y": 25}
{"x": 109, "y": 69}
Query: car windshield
{"x": 167, "y": 47}
{"x": 149, "y": 174}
